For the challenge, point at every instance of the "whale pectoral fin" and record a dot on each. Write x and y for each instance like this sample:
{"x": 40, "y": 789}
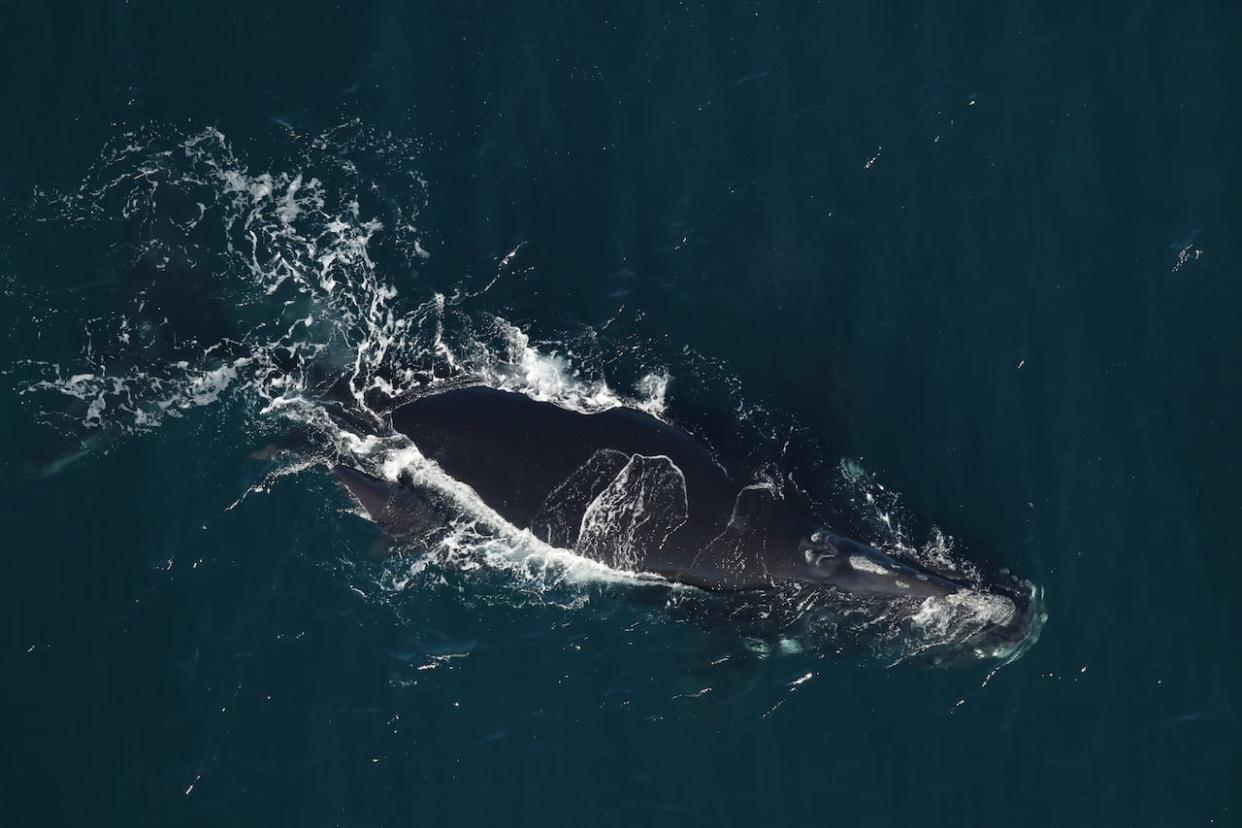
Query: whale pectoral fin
{"x": 632, "y": 517}
{"x": 752, "y": 510}
{"x": 559, "y": 518}
{"x": 740, "y": 548}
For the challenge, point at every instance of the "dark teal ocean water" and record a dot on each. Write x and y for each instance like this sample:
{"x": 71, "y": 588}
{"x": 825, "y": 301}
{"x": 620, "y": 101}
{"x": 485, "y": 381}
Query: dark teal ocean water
{"x": 989, "y": 252}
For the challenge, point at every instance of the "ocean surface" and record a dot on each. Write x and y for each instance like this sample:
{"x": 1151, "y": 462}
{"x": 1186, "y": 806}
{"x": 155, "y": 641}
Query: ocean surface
{"x": 966, "y": 275}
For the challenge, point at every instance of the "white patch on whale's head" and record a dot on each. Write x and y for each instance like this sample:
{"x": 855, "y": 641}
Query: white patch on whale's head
{"x": 865, "y": 564}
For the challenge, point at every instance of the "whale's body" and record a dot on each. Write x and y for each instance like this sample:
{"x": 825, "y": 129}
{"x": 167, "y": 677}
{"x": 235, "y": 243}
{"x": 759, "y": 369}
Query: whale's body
{"x": 624, "y": 488}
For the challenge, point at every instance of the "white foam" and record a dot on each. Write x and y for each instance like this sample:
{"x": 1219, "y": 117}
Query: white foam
{"x": 945, "y": 616}
{"x": 653, "y": 391}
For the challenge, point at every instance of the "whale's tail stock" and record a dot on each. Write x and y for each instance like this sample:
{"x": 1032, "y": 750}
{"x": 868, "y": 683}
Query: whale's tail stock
{"x": 401, "y": 508}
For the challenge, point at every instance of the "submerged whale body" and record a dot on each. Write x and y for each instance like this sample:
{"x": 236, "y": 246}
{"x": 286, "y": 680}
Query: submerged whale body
{"x": 628, "y": 490}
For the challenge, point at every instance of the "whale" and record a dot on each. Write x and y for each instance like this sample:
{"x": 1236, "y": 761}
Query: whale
{"x": 633, "y": 492}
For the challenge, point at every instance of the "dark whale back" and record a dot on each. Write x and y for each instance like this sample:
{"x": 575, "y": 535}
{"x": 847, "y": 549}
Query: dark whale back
{"x": 513, "y": 450}
{"x": 624, "y": 488}
{"x": 542, "y": 467}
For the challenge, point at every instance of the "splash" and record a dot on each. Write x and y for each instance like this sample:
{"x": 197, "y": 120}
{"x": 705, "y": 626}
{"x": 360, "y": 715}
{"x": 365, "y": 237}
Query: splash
{"x": 299, "y": 271}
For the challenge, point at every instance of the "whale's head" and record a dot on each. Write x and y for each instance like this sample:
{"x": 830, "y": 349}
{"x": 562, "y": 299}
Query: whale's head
{"x": 831, "y": 560}
{"x": 946, "y": 620}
